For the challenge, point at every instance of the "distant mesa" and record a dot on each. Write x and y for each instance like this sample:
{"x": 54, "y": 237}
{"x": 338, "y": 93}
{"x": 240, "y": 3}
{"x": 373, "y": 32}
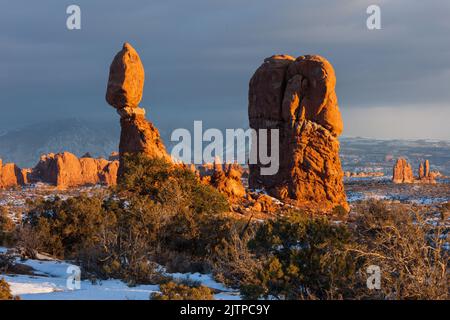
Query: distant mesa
{"x": 403, "y": 173}
{"x": 297, "y": 97}
{"x": 124, "y": 92}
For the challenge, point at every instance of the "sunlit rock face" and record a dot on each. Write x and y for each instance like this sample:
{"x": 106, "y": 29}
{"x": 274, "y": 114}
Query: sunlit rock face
{"x": 11, "y": 175}
{"x": 126, "y": 79}
{"x": 297, "y": 97}
{"x": 65, "y": 170}
{"x": 403, "y": 172}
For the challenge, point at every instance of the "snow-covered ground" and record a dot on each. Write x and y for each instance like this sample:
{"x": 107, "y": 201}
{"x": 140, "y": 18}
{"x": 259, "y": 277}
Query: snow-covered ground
{"x": 49, "y": 282}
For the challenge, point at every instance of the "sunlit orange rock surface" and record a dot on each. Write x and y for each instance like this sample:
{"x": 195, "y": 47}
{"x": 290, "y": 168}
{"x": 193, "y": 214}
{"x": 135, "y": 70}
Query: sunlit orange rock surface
{"x": 65, "y": 170}
{"x": 227, "y": 180}
{"x": 124, "y": 92}
{"x": 403, "y": 172}
{"x": 126, "y": 79}
{"x": 297, "y": 97}
{"x": 10, "y": 175}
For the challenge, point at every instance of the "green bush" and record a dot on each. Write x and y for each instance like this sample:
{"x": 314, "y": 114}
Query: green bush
{"x": 179, "y": 291}
{"x": 65, "y": 228}
{"x": 169, "y": 185}
{"x": 303, "y": 258}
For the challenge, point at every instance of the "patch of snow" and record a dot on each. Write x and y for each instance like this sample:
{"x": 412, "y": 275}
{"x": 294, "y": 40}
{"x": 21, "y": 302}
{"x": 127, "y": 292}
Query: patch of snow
{"x": 205, "y": 279}
{"x": 49, "y": 282}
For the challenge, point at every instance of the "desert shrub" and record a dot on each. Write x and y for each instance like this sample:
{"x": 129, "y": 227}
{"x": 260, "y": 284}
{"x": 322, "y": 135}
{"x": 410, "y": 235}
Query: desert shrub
{"x": 304, "y": 258}
{"x": 180, "y": 291}
{"x": 232, "y": 260}
{"x": 156, "y": 213}
{"x": 445, "y": 210}
{"x": 7, "y": 228}
{"x": 170, "y": 185}
{"x": 6, "y": 263}
{"x": 340, "y": 212}
{"x": 29, "y": 240}
{"x": 408, "y": 249}
{"x": 65, "y": 228}
{"x": 190, "y": 219}
{"x": 5, "y": 292}
{"x": 107, "y": 237}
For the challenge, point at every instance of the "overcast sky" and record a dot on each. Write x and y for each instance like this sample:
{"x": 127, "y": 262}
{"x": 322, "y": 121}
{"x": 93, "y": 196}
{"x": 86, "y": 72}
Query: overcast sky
{"x": 200, "y": 54}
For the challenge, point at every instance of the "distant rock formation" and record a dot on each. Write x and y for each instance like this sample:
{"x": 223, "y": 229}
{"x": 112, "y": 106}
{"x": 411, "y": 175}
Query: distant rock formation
{"x": 65, "y": 170}
{"x": 297, "y": 96}
{"x": 113, "y": 156}
{"x": 424, "y": 173}
{"x": 227, "y": 180}
{"x": 403, "y": 173}
{"x": 363, "y": 174}
{"x": 124, "y": 92}
{"x": 10, "y": 175}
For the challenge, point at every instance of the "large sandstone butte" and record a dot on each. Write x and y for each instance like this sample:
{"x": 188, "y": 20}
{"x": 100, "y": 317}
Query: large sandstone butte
{"x": 297, "y": 97}
{"x": 124, "y": 93}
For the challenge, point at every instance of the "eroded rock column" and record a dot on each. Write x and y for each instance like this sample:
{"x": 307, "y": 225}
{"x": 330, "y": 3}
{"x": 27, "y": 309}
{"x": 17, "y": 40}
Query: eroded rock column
{"x": 297, "y": 97}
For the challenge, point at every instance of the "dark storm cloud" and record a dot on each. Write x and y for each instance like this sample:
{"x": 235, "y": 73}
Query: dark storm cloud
{"x": 200, "y": 54}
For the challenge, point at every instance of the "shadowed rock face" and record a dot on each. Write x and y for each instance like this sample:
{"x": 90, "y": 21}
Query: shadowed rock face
{"x": 297, "y": 97}
{"x": 124, "y": 92}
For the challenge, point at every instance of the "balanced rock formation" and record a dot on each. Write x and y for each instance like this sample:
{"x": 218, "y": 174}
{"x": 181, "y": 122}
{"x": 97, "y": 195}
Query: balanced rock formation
{"x": 126, "y": 79}
{"x": 297, "y": 97}
{"x": 65, "y": 170}
{"x": 124, "y": 93}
